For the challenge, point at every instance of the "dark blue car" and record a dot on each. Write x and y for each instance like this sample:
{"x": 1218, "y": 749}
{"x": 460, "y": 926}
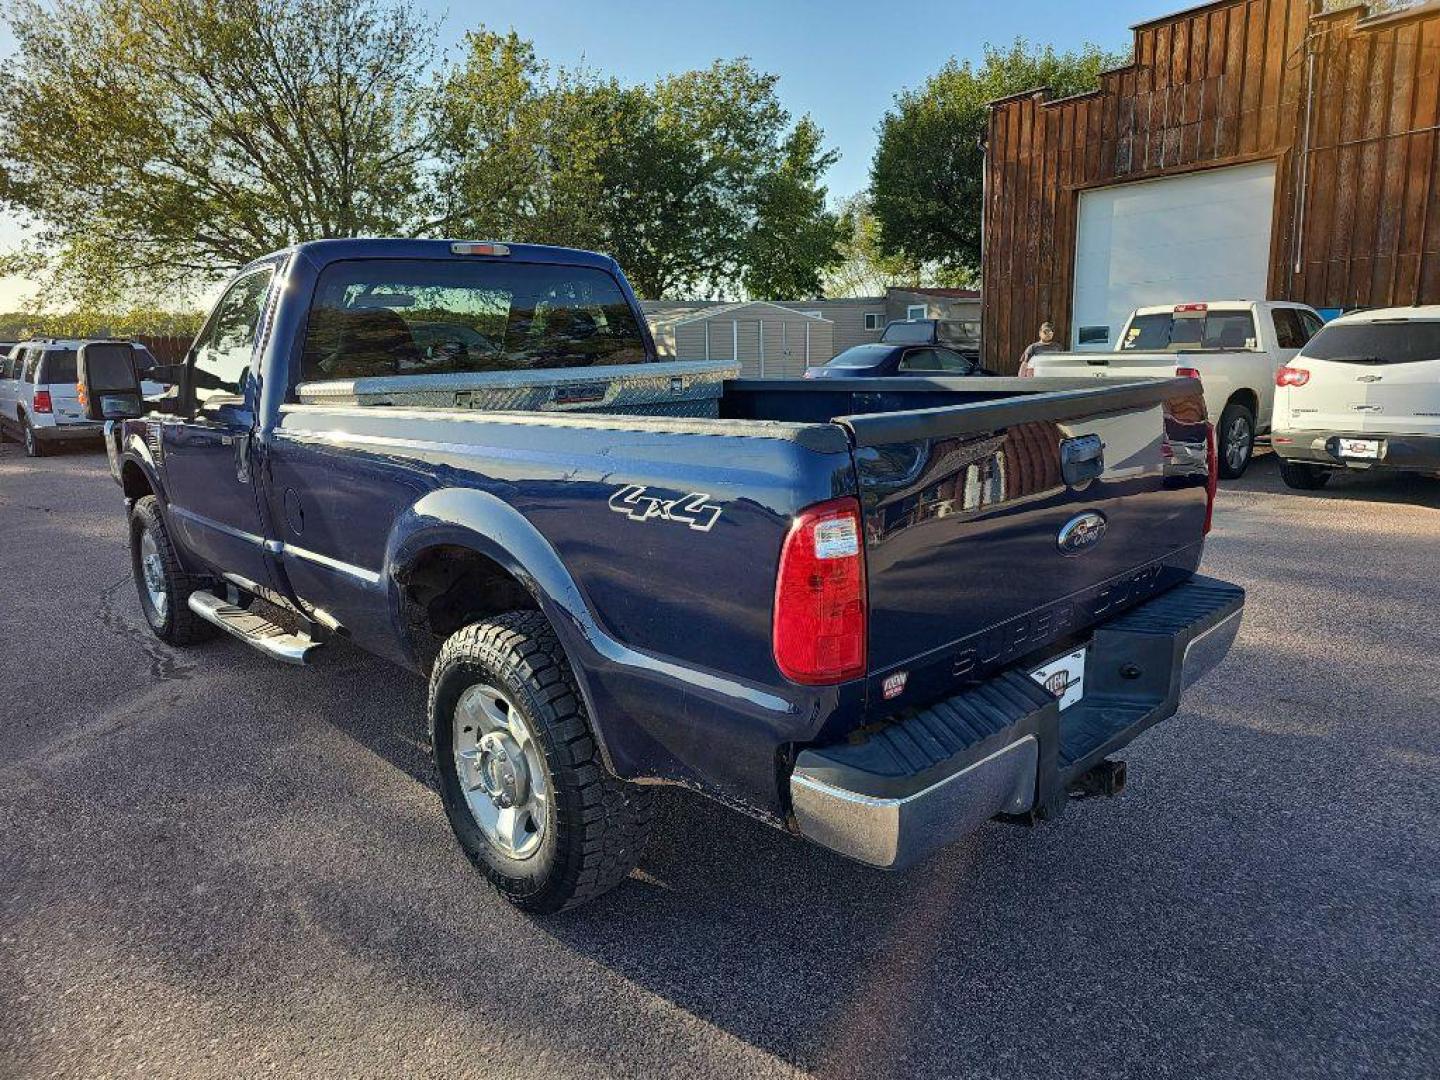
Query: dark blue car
{"x": 920, "y": 347}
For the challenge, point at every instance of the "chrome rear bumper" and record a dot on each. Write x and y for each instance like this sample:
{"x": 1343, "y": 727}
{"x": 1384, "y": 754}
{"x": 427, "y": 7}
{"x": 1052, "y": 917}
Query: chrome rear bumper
{"x": 1003, "y": 747}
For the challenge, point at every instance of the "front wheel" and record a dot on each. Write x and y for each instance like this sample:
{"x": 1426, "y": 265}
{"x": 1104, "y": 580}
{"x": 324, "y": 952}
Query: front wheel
{"x": 1237, "y": 440}
{"x": 1304, "y": 477}
{"x": 520, "y": 772}
{"x": 162, "y": 582}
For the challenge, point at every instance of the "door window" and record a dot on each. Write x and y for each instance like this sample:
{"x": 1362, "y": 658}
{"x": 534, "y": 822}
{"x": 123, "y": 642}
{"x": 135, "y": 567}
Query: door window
{"x": 1289, "y": 330}
{"x": 934, "y": 360}
{"x": 222, "y": 354}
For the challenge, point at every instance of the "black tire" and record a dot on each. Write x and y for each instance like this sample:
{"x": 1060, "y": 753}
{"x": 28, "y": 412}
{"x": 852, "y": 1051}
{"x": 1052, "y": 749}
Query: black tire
{"x": 1302, "y": 476}
{"x": 177, "y": 624}
{"x": 33, "y": 446}
{"x": 596, "y": 825}
{"x": 1235, "y": 440}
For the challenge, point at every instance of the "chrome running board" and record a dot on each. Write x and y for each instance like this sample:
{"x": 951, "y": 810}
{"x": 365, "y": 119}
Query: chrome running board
{"x": 255, "y": 630}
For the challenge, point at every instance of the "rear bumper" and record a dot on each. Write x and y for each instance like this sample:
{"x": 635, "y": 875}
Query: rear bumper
{"x": 1420, "y": 453}
{"x": 1003, "y": 747}
{"x": 69, "y": 432}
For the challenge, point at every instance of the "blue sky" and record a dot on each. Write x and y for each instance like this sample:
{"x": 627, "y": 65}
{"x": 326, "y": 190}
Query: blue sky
{"x": 841, "y": 61}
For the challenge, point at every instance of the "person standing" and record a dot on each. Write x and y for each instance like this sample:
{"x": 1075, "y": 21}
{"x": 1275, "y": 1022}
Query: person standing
{"x": 1046, "y": 343}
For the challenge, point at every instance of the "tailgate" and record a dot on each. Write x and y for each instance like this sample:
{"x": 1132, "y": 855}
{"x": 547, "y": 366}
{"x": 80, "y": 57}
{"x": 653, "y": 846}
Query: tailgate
{"x": 65, "y": 402}
{"x": 998, "y": 529}
{"x": 1123, "y": 365}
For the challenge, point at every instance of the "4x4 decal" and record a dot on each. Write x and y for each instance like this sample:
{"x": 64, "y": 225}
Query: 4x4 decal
{"x": 691, "y": 509}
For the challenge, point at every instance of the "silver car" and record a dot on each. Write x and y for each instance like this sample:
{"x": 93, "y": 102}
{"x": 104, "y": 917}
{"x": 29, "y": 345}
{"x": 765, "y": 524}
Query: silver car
{"x": 39, "y": 402}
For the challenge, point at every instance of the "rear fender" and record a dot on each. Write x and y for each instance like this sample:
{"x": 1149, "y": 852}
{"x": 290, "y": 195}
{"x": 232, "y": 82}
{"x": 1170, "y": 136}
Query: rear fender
{"x": 487, "y": 525}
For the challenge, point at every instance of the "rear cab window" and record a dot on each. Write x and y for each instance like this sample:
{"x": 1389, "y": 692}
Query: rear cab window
{"x": 1389, "y": 341}
{"x": 379, "y": 317}
{"x": 1174, "y": 331}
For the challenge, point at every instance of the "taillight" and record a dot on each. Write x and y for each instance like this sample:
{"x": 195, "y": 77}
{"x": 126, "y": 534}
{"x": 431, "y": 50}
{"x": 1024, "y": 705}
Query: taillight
{"x": 1187, "y": 373}
{"x": 1292, "y": 376}
{"x": 819, "y": 624}
{"x": 1212, "y": 479}
{"x": 42, "y": 402}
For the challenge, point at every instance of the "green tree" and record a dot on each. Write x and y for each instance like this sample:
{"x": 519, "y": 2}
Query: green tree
{"x": 863, "y": 269}
{"x": 925, "y": 180}
{"x": 794, "y": 239}
{"x": 692, "y": 184}
{"x": 160, "y": 143}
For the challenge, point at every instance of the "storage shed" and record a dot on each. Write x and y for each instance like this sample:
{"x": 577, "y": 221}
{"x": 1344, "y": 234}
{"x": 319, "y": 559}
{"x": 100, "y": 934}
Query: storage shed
{"x": 767, "y": 340}
{"x": 1253, "y": 149}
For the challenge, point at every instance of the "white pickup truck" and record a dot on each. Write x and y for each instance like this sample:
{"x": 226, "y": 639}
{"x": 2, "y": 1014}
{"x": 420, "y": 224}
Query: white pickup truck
{"x": 1234, "y": 347}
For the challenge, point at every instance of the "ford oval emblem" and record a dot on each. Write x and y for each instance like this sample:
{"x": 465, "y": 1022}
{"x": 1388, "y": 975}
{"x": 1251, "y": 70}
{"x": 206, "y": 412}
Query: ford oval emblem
{"x": 1081, "y": 533}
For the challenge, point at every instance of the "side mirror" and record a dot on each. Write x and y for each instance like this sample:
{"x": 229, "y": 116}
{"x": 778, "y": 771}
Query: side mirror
{"x": 108, "y": 387}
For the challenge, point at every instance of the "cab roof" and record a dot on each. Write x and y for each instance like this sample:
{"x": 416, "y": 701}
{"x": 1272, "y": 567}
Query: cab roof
{"x": 322, "y": 252}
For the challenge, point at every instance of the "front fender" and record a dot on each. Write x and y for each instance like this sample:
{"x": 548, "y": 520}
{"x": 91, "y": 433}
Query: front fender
{"x": 134, "y": 451}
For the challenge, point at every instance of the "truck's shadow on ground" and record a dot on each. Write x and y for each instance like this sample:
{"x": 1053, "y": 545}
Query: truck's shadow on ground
{"x": 1162, "y": 909}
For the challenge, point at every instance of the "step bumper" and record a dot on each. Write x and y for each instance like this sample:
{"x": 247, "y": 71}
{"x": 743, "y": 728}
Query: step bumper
{"x": 1003, "y": 747}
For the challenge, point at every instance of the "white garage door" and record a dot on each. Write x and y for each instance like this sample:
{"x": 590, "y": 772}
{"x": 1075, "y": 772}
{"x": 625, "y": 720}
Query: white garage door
{"x": 1205, "y": 236}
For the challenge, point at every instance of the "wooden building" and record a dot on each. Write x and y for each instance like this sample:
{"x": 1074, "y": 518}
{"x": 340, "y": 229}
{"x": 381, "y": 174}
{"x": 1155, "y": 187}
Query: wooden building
{"x": 1256, "y": 145}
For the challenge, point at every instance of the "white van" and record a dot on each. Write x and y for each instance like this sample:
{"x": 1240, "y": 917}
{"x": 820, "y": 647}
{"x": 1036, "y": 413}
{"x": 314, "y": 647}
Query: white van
{"x": 1364, "y": 393}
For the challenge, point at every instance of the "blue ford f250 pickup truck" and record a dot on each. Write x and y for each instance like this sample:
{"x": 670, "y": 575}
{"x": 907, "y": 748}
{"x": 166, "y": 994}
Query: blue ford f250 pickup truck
{"x": 876, "y": 613}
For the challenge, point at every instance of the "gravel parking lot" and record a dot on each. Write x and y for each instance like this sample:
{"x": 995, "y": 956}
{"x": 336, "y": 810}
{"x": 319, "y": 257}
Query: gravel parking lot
{"x": 214, "y": 865}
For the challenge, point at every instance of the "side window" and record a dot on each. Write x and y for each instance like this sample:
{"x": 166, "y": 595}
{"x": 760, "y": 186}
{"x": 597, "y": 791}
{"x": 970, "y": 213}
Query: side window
{"x": 7, "y": 366}
{"x": 933, "y": 360}
{"x": 1312, "y": 323}
{"x": 1289, "y": 333}
{"x": 225, "y": 346}
{"x": 30, "y": 364}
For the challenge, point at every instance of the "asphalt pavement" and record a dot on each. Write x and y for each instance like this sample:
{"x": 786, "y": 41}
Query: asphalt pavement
{"x": 213, "y": 865}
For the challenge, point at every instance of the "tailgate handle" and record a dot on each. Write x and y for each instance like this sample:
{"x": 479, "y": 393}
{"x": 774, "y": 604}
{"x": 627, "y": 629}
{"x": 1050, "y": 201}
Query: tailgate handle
{"x": 1082, "y": 459}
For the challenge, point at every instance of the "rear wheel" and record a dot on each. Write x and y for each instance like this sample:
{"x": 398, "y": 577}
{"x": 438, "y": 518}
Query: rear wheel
{"x": 520, "y": 772}
{"x": 33, "y": 446}
{"x": 1302, "y": 476}
{"x": 1237, "y": 440}
{"x": 163, "y": 584}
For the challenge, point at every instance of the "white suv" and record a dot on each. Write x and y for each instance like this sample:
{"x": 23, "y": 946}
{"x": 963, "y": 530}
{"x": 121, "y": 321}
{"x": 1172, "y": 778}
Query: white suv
{"x": 38, "y": 397}
{"x": 1363, "y": 393}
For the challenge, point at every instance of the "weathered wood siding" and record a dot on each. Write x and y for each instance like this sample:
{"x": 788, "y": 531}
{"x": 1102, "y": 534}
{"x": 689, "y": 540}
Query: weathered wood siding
{"x": 1223, "y": 84}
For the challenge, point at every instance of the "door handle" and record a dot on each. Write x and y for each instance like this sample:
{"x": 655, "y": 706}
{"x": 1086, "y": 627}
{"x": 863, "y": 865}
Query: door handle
{"x": 242, "y": 456}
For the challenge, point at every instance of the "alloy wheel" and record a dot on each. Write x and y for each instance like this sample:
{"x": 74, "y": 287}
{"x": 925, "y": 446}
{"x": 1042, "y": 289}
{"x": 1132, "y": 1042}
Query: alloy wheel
{"x": 499, "y": 766}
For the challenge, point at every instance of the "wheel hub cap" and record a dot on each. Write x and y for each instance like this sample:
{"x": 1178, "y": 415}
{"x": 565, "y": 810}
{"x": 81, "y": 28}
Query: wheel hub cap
{"x": 502, "y": 769}
{"x": 152, "y": 569}
{"x": 498, "y": 764}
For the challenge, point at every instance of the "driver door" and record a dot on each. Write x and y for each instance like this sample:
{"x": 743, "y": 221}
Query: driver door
{"x": 208, "y": 450}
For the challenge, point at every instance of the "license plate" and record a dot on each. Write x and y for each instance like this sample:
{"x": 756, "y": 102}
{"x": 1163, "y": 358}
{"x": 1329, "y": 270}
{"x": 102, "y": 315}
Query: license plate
{"x": 1360, "y": 448}
{"x": 1064, "y": 677}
